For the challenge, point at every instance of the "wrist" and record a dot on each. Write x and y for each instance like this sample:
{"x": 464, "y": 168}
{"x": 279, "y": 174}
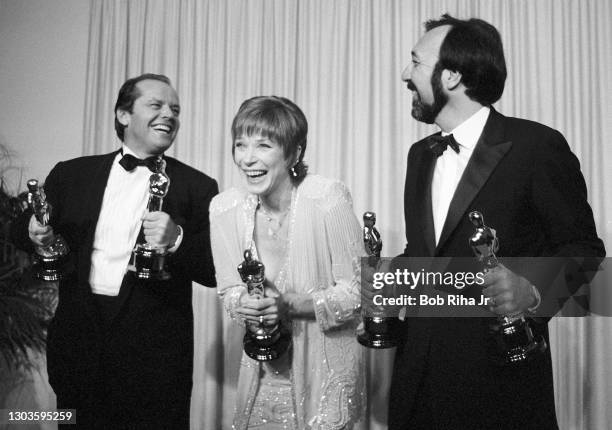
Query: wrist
{"x": 176, "y": 240}
{"x": 289, "y": 305}
{"x": 299, "y": 306}
{"x": 536, "y": 299}
{"x": 242, "y": 297}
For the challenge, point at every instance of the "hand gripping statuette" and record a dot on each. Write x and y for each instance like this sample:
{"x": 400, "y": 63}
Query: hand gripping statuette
{"x": 513, "y": 334}
{"x": 49, "y": 260}
{"x": 378, "y": 329}
{"x": 261, "y": 342}
{"x": 148, "y": 261}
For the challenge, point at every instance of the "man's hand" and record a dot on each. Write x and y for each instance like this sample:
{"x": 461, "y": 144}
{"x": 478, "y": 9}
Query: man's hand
{"x": 159, "y": 229}
{"x": 40, "y": 235}
{"x": 510, "y": 293}
{"x": 367, "y": 275}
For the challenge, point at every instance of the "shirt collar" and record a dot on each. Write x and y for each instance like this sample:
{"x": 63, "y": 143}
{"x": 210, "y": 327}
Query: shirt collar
{"x": 126, "y": 150}
{"x": 468, "y": 132}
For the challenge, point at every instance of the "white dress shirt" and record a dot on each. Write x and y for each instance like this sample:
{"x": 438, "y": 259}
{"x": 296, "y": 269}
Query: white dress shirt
{"x": 450, "y": 166}
{"x": 124, "y": 204}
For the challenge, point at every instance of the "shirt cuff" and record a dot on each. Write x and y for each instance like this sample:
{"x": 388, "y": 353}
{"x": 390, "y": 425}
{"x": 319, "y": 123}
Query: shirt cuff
{"x": 538, "y": 298}
{"x": 178, "y": 240}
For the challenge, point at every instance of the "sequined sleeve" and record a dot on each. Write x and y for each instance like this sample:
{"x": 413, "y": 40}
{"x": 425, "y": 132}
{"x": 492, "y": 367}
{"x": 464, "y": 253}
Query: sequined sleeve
{"x": 339, "y": 302}
{"x": 225, "y": 242}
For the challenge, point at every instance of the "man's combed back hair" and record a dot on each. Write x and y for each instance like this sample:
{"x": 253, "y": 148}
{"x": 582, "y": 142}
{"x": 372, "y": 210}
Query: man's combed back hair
{"x": 128, "y": 93}
{"x": 474, "y": 48}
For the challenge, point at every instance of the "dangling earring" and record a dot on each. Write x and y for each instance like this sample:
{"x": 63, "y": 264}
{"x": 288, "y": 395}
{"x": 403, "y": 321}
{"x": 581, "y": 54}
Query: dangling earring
{"x": 293, "y": 172}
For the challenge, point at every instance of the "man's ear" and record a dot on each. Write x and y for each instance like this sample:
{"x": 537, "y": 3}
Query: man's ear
{"x": 451, "y": 79}
{"x": 123, "y": 117}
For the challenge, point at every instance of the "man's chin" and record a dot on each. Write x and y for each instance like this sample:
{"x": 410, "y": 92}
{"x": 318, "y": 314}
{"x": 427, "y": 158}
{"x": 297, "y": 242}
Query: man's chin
{"x": 163, "y": 143}
{"x": 422, "y": 116}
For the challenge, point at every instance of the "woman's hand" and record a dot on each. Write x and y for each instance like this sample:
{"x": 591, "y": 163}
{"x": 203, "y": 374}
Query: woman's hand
{"x": 268, "y": 310}
{"x": 280, "y": 309}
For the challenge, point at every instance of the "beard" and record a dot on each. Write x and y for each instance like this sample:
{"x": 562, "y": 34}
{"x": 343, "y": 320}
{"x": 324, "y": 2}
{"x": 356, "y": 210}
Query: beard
{"x": 425, "y": 112}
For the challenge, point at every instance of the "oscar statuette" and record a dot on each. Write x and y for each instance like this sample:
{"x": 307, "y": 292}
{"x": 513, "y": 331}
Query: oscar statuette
{"x": 148, "y": 261}
{"x": 261, "y": 343}
{"x": 49, "y": 260}
{"x": 378, "y": 329}
{"x": 513, "y": 334}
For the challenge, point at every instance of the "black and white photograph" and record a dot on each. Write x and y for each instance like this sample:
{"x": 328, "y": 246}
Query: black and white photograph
{"x": 305, "y": 214}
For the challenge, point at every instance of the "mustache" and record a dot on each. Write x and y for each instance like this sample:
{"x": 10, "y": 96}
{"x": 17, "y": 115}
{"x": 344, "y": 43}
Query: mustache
{"x": 410, "y": 85}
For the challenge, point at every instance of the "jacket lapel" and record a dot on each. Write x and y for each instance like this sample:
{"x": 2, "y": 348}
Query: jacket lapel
{"x": 92, "y": 203}
{"x": 97, "y": 179}
{"x": 488, "y": 152}
{"x": 423, "y": 198}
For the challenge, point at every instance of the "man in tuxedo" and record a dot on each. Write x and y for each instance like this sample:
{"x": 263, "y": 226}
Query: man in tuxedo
{"x": 120, "y": 348}
{"x": 524, "y": 179}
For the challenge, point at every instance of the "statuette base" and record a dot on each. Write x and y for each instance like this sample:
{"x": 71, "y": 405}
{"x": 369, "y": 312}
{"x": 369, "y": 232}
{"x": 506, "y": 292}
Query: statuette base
{"x": 266, "y": 346}
{"x": 378, "y": 332}
{"x": 516, "y": 342}
{"x": 148, "y": 263}
{"x": 49, "y": 268}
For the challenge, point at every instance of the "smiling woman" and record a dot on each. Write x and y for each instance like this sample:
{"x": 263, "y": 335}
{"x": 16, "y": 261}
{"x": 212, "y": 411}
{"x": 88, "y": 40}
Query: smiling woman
{"x": 264, "y": 165}
{"x": 304, "y": 231}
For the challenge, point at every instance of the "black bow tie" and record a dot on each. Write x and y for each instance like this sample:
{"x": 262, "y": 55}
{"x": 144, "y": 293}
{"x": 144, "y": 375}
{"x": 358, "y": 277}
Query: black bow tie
{"x": 129, "y": 162}
{"x": 438, "y": 144}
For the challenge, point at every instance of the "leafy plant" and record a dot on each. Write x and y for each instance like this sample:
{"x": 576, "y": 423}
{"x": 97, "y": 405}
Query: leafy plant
{"x": 23, "y": 315}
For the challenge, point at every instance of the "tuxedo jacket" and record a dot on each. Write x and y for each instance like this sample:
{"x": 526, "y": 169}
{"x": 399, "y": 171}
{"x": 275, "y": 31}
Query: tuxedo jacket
{"x": 144, "y": 356}
{"x": 526, "y": 182}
